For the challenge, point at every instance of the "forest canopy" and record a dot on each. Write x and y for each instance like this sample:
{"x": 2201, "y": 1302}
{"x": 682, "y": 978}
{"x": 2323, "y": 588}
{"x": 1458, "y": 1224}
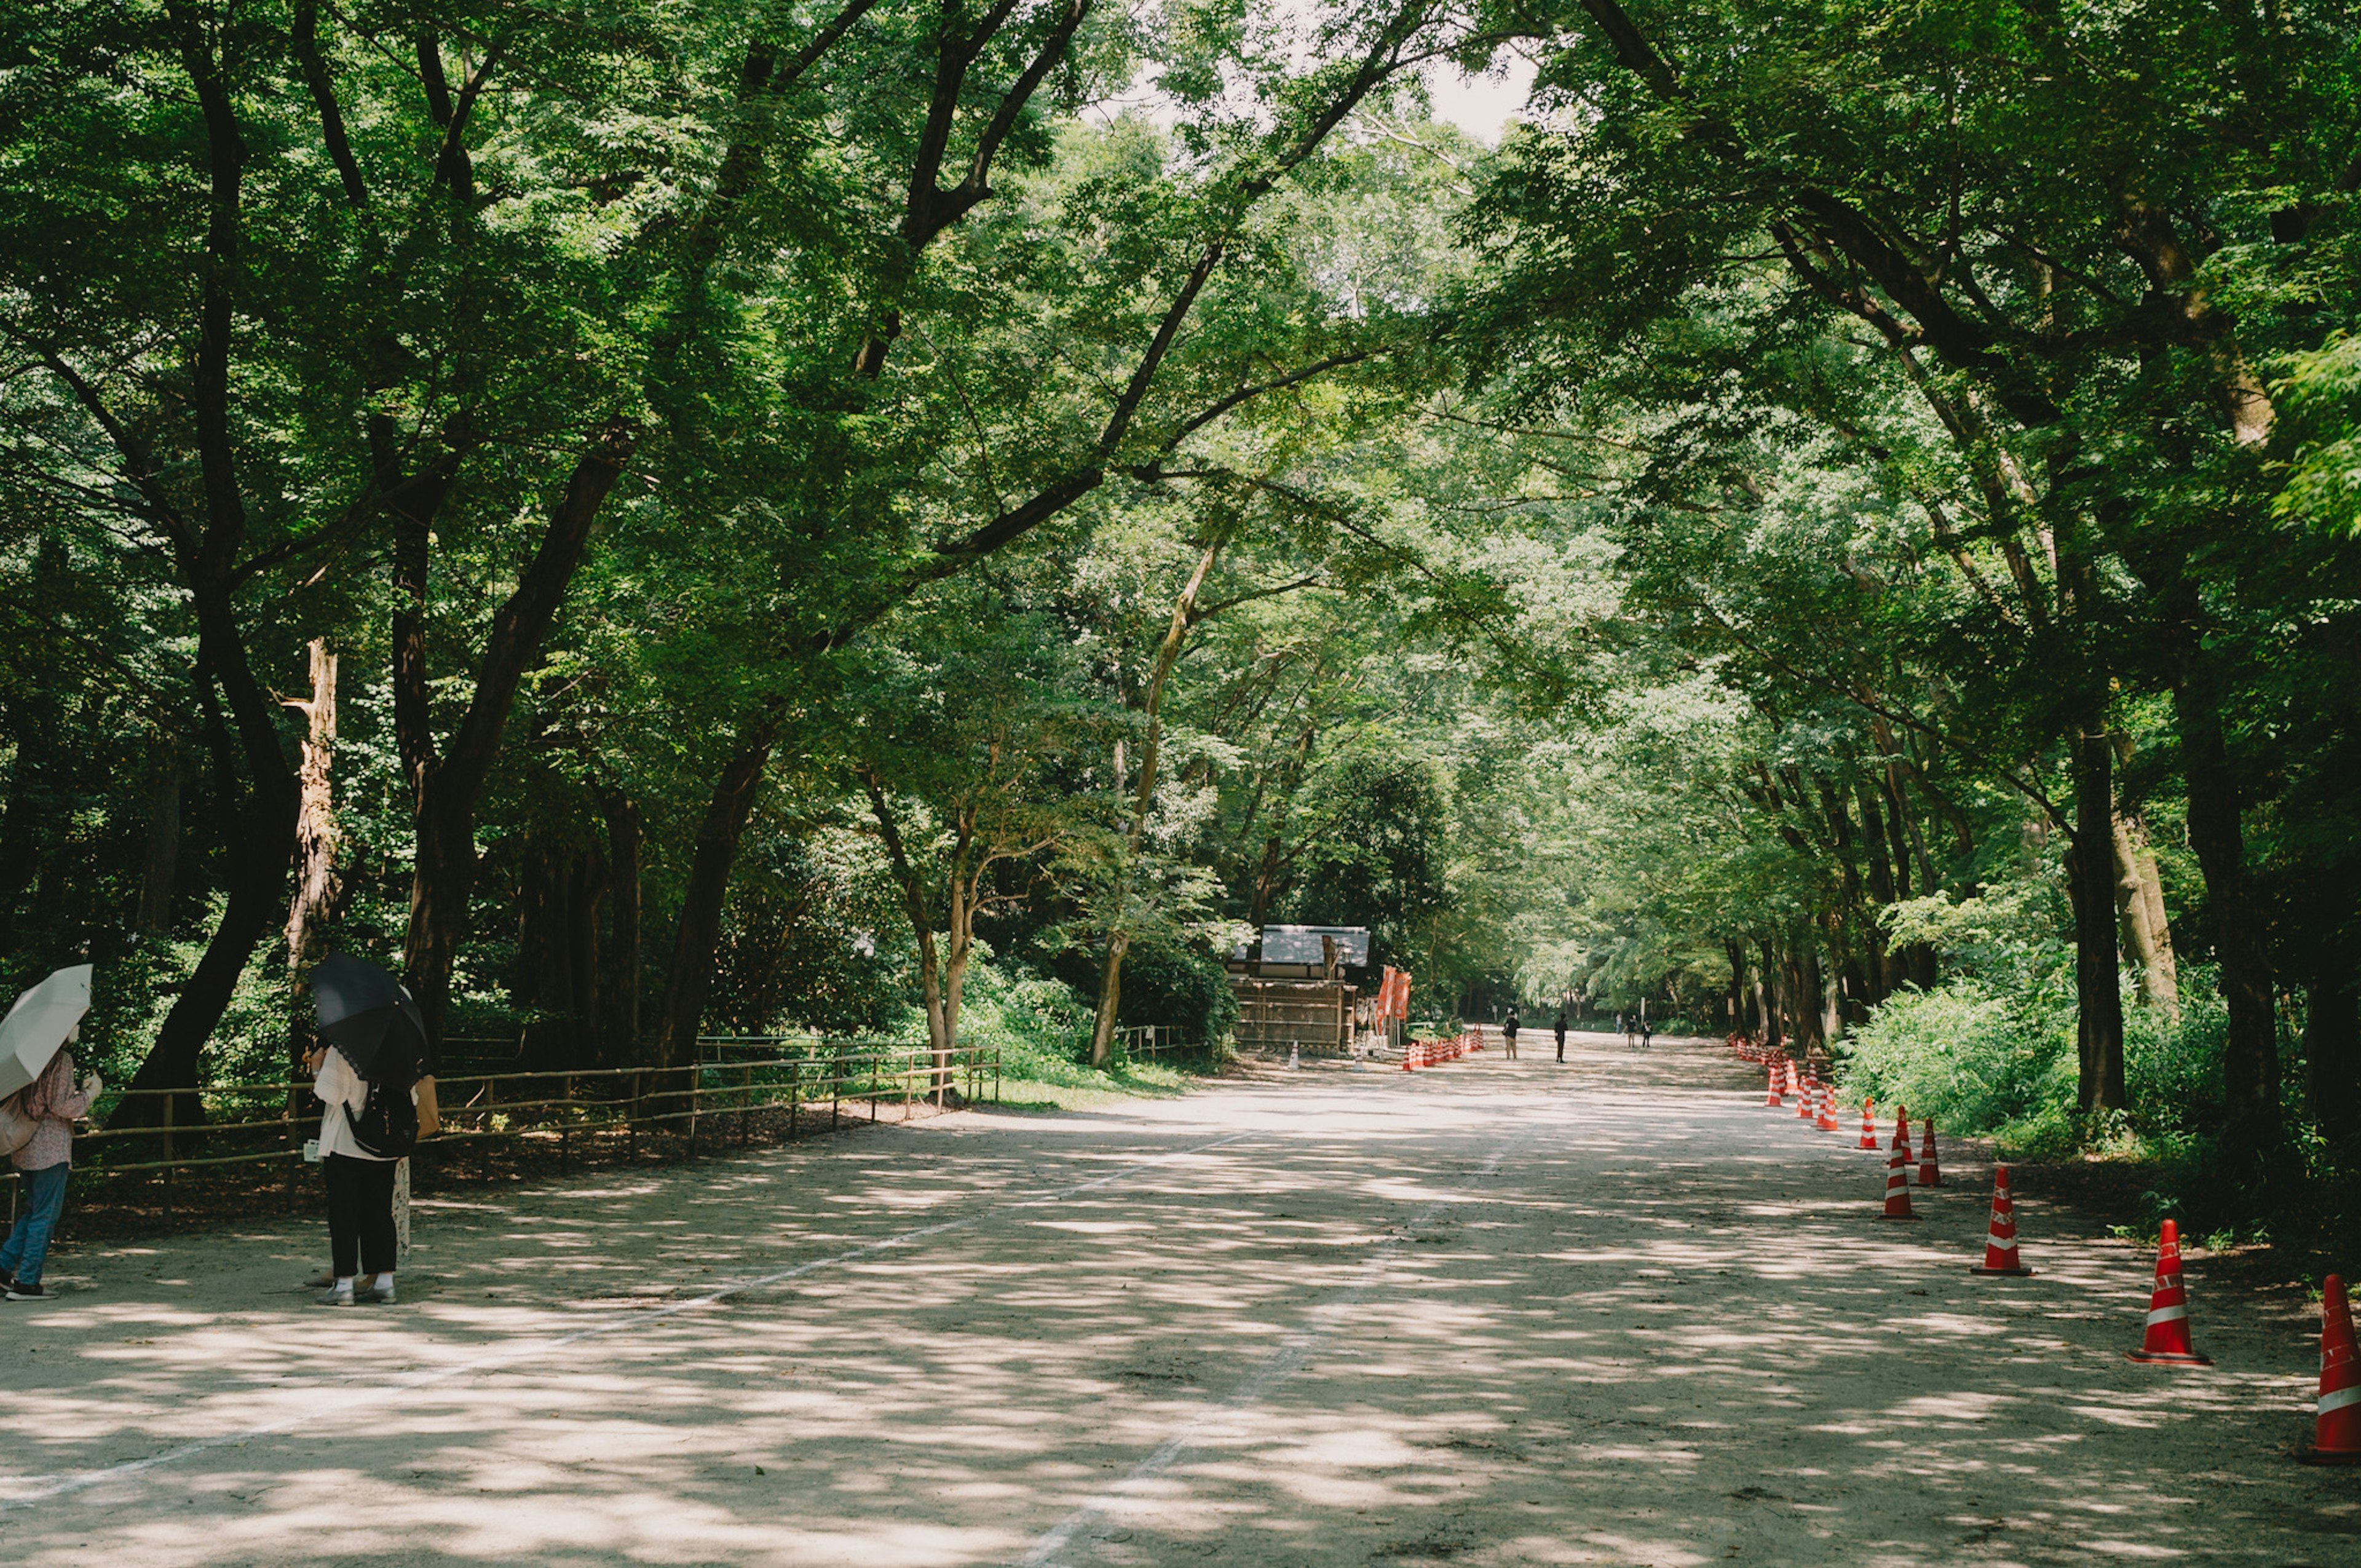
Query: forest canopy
{"x": 661, "y": 521}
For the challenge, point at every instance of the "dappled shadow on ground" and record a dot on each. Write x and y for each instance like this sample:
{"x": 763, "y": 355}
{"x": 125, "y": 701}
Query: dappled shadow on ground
{"x": 1612, "y": 1312}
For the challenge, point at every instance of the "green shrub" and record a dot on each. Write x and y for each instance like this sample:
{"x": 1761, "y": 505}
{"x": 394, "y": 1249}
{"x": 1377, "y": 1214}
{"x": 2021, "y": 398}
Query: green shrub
{"x": 2002, "y": 1064}
{"x": 1975, "y": 1059}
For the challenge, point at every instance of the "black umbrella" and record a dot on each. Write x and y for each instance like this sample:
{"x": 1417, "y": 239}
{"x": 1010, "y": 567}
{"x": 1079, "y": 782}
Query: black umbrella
{"x": 366, "y": 1015}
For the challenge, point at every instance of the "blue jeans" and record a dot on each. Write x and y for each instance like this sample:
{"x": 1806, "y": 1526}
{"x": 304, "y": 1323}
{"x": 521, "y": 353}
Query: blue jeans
{"x": 41, "y": 1198}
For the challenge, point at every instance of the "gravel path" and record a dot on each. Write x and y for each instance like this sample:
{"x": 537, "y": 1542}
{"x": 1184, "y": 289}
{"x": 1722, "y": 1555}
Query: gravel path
{"x": 1612, "y": 1312}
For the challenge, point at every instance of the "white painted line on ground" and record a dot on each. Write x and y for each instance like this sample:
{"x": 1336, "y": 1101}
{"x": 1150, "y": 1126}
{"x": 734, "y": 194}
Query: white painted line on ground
{"x": 1283, "y": 1364}
{"x": 48, "y": 1487}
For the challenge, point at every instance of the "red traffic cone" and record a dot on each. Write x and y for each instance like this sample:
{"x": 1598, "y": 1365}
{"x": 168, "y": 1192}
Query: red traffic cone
{"x": 1771, "y": 1093}
{"x": 1898, "y": 1186}
{"x": 1805, "y": 1101}
{"x": 2167, "y": 1344}
{"x": 1828, "y": 1121}
{"x": 2336, "y": 1429}
{"x": 1902, "y": 1131}
{"x": 2000, "y": 1245}
{"x": 1869, "y": 1124}
{"x": 1930, "y": 1174}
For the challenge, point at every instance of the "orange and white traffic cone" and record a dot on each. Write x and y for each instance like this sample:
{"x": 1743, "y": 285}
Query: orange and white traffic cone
{"x": 1930, "y": 1174}
{"x": 2336, "y": 1428}
{"x": 2167, "y": 1342}
{"x": 2000, "y": 1243}
{"x": 1770, "y": 1091}
{"x": 1869, "y": 1124}
{"x": 1828, "y": 1121}
{"x": 1808, "y": 1099}
{"x": 1902, "y": 1131}
{"x": 1897, "y": 1185}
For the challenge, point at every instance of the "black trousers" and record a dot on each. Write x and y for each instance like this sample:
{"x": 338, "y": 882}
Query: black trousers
{"x": 360, "y": 1215}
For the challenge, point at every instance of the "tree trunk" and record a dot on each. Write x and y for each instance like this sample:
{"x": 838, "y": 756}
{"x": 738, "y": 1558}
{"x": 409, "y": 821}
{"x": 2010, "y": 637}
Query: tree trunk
{"x": 1110, "y": 998}
{"x": 690, "y": 977}
{"x": 1266, "y": 879}
{"x": 1736, "y": 996}
{"x": 442, "y": 881}
{"x": 582, "y": 943}
{"x": 1810, "y": 991}
{"x": 550, "y": 889}
{"x": 620, "y": 1035}
{"x": 1266, "y": 882}
{"x": 2098, "y": 985}
{"x": 966, "y": 891}
{"x": 2332, "y": 1044}
{"x": 257, "y": 825}
{"x": 1767, "y": 996}
{"x": 2250, "y": 1065}
{"x": 309, "y": 910}
{"x": 449, "y": 785}
{"x": 30, "y": 803}
{"x": 1184, "y": 614}
{"x": 162, "y": 870}
{"x": 1914, "y": 962}
{"x": 1885, "y": 968}
{"x": 2139, "y": 907}
{"x": 913, "y": 904}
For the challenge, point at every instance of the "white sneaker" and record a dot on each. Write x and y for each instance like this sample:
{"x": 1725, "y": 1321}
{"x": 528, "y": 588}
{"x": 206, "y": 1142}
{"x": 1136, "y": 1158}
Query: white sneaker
{"x": 337, "y": 1296}
{"x": 379, "y": 1295}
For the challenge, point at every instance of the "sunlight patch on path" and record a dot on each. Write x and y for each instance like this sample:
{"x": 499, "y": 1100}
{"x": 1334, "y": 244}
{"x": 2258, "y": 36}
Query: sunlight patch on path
{"x": 42, "y": 1488}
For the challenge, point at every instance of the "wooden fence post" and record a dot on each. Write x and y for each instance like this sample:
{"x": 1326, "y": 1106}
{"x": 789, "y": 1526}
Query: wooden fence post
{"x": 170, "y": 1154}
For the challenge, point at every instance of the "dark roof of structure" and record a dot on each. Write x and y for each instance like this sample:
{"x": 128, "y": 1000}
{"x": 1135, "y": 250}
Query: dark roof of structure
{"x": 1300, "y": 945}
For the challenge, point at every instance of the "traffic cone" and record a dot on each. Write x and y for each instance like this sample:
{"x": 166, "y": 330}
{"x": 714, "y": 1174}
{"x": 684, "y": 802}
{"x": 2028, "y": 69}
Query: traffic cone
{"x": 1771, "y": 1090}
{"x": 1828, "y": 1121}
{"x": 2336, "y": 1428}
{"x": 2000, "y": 1245}
{"x": 1869, "y": 1124}
{"x": 1930, "y": 1174}
{"x": 2167, "y": 1342}
{"x": 1902, "y": 1131}
{"x": 1805, "y": 1100}
{"x": 1898, "y": 1186}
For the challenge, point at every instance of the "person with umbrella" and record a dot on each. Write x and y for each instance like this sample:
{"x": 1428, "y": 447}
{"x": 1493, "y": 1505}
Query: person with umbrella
{"x": 37, "y": 1073}
{"x": 366, "y": 1079}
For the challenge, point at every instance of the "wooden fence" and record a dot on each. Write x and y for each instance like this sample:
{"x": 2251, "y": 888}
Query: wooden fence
{"x": 735, "y": 1075}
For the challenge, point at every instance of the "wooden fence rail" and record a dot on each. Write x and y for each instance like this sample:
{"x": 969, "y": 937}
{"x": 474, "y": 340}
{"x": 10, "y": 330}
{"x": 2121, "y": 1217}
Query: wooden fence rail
{"x": 268, "y": 1124}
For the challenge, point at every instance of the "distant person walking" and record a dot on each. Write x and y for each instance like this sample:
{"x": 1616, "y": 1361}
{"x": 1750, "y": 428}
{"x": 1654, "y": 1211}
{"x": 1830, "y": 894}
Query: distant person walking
{"x": 1560, "y": 1027}
{"x": 1647, "y": 1034}
{"x": 1508, "y": 1032}
{"x": 52, "y": 1102}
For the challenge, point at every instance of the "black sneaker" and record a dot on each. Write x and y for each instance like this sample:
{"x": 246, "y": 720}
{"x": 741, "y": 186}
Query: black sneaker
{"x": 6, "y": 1279}
{"x": 20, "y": 1291}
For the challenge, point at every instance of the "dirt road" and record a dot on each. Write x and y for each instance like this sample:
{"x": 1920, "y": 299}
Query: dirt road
{"x": 1613, "y": 1312}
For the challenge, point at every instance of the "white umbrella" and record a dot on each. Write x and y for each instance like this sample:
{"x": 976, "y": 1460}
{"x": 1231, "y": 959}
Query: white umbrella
{"x": 39, "y": 1023}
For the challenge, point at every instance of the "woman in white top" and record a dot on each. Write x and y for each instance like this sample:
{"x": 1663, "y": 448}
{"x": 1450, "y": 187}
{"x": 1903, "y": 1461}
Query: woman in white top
{"x": 360, "y": 1187}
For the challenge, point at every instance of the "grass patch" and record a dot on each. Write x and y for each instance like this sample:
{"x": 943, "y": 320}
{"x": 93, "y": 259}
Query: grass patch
{"x": 1031, "y": 1081}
